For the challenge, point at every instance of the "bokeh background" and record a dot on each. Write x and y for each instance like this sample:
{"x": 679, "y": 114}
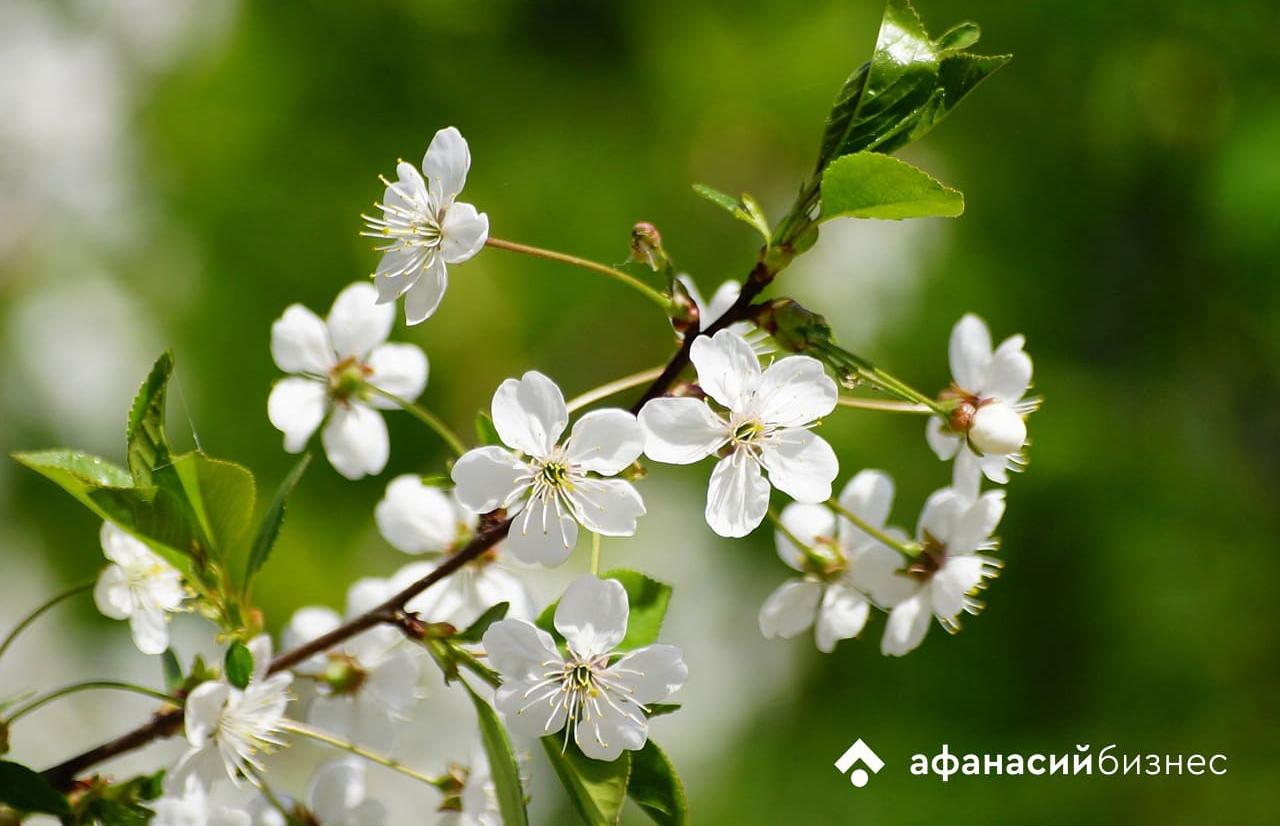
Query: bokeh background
{"x": 176, "y": 172}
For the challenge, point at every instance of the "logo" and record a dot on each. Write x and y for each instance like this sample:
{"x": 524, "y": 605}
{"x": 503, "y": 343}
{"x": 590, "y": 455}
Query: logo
{"x": 859, "y": 752}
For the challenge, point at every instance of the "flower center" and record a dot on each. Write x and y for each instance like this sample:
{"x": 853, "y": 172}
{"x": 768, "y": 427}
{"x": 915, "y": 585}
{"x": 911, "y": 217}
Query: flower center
{"x": 347, "y": 379}
{"x": 930, "y": 560}
{"x": 343, "y": 674}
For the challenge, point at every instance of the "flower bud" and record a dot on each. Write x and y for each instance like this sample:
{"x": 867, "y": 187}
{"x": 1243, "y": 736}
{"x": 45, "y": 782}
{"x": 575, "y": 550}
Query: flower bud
{"x": 646, "y": 247}
{"x": 997, "y": 429}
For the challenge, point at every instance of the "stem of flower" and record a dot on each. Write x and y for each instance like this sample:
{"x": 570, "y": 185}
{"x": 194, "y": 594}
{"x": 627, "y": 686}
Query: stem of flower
{"x": 428, "y": 418}
{"x": 35, "y": 613}
{"x": 887, "y": 405}
{"x": 310, "y": 733}
{"x": 88, "y": 685}
{"x": 267, "y": 792}
{"x": 587, "y": 264}
{"x": 604, "y": 391}
{"x": 819, "y": 560}
{"x": 484, "y": 672}
{"x": 595, "y": 554}
{"x": 907, "y": 549}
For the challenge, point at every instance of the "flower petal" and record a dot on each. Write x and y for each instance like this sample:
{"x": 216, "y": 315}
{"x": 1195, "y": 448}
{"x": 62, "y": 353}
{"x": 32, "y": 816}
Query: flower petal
{"x": 409, "y": 192}
{"x": 609, "y": 507}
{"x": 970, "y": 353}
{"x": 723, "y": 298}
{"x": 296, "y": 407}
{"x": 529, "y": 413}
{"x": 807, "y": 523}
{"x": 355, "y": 440}
{"x": 112, "y": 594}
{"x": 488, "y": 477}
{"x": 1009, "y": 375}
{"x": 652, "y": 673}
{"x": 841, "y": 616}
{"x": 795, "y": 391}
{"x": 957, "y": 577}
{"x": 940, "y": 515}
{"x": 445, "y": 165}
{"x": 204, "y": 709}
{"x": 605, "y": 441}
{"x": 150, "y": 630}
{"x": 398, "y": 270}
{"x": 519, "y": 649}
{"x": 399, "y": 369}
{"x": 543, "y": 534}
{"x": 681, "y": 431}
{"x": 976, "y": 523}
{"x": 425, "y": 294}
{"x": 336, "y": 788}
{"x": 592, "y": 615}
{"x": 869, "y": 494}
{"x": 790, "y": 608}
{"x": 394, "y": 681}
{"x": 737, "y": 496}
{"x": 800, "y": 464}
{"x": 260, "y": 648}
{"x": 465, "y": 232}
{"x": 305, "y": 625}
{"x": 417, "y": 518}
{"x": 728, "y": 369}
{"x": 908, "y": 623}
{"x": 300, "y": 342}
{"x": 531, "y": 710}
{"x": 604, "y": 736}
{"x": 357, "y": 322}
{"x": 877, "y": 570}
{"x": 942, "y": 442}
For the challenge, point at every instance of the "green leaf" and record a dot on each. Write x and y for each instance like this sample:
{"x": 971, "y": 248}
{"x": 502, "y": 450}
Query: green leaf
{"x": 474, "y": 631}
{"x": 147, "y": 446}
{"x": 648, "y": 599}
{"x": 904, "y": 91}
{"x": 486, "y": 432}
{"x": 172, "y": 670}
{"x": 269, "y": 528}
{"x": 239, "y": 664}
{"x": 596, "y": 788}
{"x": 659, "y": 709}
{"x": 746, "y": 209}
{"x": 25, "y": 790}
{"x": 219, "y": 495}
{"x": 502, "y": 762}
{"x": 656, "y": 788}
{"x": 869, "y": 185}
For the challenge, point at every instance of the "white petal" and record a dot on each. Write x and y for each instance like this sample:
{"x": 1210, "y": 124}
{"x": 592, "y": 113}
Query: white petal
{"x": 261, "y": 650}
{"x": 112, "y": 594}
{"x": 869, "y": 494}
{"x": 1009, "y": 375}
{"x": 807, "y": 523}
{"x": 605, "y": 441}
{"x": 399, "y": 369}
{"x": 409, "y": 192}
{"x": 367, "y": 593}
{"x": 607, "y": 734}
{"x": 877, "y": 570}
{"x": 394, "y": 682}
{"x": 652, "y": 673}
{"x": 681, "y": 431}
{"x": 942, "y": 442}
{"x": 204, "y": 709}
{"x": 966, "y": 474}
{"x": 398, "y": 270}
{"x": 518, "y": 649}
{"x": 355, "y": 440}
{"x": 737, "y": 496}
{"x": 357, "y": 322}
{"x": 795, "y": 391}
{"x": 465, "y": 232}
{"x": 494, "y": 585}
{"x": 543, "y": 534}
{"x": 121, "y": 547}
{"x": 609, "y": 507}
{"x": 940, "y": 514}
{"x": 970, "y": 352}
{"x": 976, "y": 523}
{"x": 841, "y": 616}
{"x": 296, "y": 407}
{"x": 728, "y": 369}
{"x": 907, "y": 625}
{"x": 372, "y": 724}
{"x": 529, "y": 413}
{"x": 957, "y": 577}
{"x": 488, "y": 477}
{"x": 790, "y": 608}
{"x": 417, "y": 518}
{"x": 592, "y": 615}
{"x": 336, "y": 787}
{"x": 300, "y": 342}
{"x": 307, "y": 624}
{"x": 446, "y": 164}
{"x": 333, "y": 713}
{"x": 997, "y": 430}
{"x": 800, "y": 464}
{"x": 723, "y": 298}
{"x": 530, "y": 712}
{"x": 424, "y": 296}
{"x": 150, "y": 631}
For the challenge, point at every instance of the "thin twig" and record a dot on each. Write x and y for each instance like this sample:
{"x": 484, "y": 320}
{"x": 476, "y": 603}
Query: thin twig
{"x": 40, "y": 609}
{"x": 586, "y": 264}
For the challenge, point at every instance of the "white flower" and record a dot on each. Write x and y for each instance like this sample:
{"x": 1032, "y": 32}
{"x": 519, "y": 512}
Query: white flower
{"x": 425, "y": 228}
{"x": 602, "y": 699}
{"x": 987, "y": 430}
{"x": 550, "y": 485}
{"x": 478, "y": 797}
{"x": 722, "y": 299}
{"x": 942, "y": 580}
{"x": 192, "y": 807}
{"x": 766, "y": 427}
{"x": 336, "y": 796}
{"x": 365, "y": 686}
{"x": 832, "y": 600}
{"x": 336, "y": 363}
{"x": 138, "y": 586}
{"x": 228, "y": 728}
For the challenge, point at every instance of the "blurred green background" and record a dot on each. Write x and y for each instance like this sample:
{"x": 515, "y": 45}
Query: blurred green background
{"x": 179, "y": 173}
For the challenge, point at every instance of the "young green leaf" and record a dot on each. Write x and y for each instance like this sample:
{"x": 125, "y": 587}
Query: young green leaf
{"x": 172, "y": 670}
{"x": 486, "y": 432}
{"x": 746, "y": 209}
{"x": 25, "y": 790}
{"x": 269, "y": 528}
{"x": 659, "y": 709}
{"x": 239, "y": 664}
{"x": 648, "y": 599}
{"x": 219, "y": 496}
{"x": 597, "y": 789}
{"x": 656, "y": 788}
{"x": 870, "y": 185}
{"x": 147, "y": 446}
{"x": 502, "y": 762}
{"x": 474, "y": 631}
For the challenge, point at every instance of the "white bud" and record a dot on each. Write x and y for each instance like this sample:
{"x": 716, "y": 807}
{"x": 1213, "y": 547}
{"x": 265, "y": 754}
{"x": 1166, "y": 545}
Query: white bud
{"x": 997, "y": 429}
